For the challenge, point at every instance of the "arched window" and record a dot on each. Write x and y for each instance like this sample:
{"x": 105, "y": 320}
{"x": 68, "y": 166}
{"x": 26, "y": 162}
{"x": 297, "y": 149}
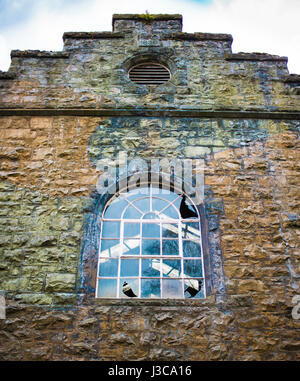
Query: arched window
{"x": 148, "y": 249}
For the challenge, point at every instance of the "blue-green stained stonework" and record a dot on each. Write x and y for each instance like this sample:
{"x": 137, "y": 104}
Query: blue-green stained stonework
{"x": 177, "y": 137}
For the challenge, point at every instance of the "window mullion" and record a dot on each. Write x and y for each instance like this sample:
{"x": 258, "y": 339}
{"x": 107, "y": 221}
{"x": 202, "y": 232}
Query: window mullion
{"x": 180, "y": 245}
{"x": 120, "y": 255}
{"x": 99, "y": 253}
{"x": 202, "y": 265}
{"x": 140, "y": 278}
{"x": 150, "y": 197}
{"x": 140, "y": 259}
{"x": 161, "y": 256}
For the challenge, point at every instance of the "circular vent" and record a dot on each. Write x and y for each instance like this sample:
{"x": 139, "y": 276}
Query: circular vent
{"x": 149, "y": 73}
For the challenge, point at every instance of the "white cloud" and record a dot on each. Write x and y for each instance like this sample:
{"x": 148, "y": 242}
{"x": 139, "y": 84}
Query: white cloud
{"x": 269, "y": 26}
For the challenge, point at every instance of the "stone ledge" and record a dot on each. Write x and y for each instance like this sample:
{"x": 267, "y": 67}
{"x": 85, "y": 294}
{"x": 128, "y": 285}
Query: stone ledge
{"x": 92, "y": 35}
{"x": 200, "y": 36}
{"x": 125, "y": 302}
{"x": 7, "y": 75}
{"x": 254, "y": 57}
{"x": 38, "y": 54}
{"x": 191, "y": 113}
{"x": 292, "y": 78}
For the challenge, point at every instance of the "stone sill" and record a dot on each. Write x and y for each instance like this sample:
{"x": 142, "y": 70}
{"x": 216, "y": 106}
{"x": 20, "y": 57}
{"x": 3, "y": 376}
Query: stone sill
{"x": 139, "y": 302}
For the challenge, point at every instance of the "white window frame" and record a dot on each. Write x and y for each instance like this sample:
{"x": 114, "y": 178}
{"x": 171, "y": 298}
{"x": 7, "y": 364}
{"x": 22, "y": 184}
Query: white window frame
{"x": 179, "y": 221}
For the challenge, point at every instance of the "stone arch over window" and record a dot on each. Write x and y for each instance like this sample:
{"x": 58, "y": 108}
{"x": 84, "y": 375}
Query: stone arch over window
{"x": 163, "y": 57}
{"x": 148, "y": 246}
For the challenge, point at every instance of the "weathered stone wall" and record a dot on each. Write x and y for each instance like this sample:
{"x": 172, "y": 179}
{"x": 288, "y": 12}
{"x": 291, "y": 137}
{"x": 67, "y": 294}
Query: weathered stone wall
{"x": 43, "y": 229}
{"x": 62, "y": 112}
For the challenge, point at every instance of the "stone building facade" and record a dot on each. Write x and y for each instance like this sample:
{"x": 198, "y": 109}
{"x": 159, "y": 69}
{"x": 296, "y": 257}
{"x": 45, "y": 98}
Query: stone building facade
{"x": 61, "y": 113}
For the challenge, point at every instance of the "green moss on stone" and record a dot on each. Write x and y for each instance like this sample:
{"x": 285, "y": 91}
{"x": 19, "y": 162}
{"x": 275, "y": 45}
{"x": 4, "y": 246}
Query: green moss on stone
{"x": 147, "y": 17}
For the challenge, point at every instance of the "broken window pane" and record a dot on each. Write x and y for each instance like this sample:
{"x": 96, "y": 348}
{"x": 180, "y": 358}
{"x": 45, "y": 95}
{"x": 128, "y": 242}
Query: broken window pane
{"x": 193, "y": 288}
{"x": 132, "y": 286}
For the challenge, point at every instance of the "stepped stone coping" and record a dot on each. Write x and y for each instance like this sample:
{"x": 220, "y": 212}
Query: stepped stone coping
{"x": 92, "y": 35}
{"x": 39, "y": 54}
{"x": 254, "y": 57}
{"x": 200, "y": 36}
{"x": 292, "y": 78}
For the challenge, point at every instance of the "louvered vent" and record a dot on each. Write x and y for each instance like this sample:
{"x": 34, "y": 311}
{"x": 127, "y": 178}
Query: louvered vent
{"x": 149, "y": 73}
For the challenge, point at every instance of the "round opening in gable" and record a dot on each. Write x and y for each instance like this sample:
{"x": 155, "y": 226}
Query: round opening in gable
{"x": 149, "y": 73}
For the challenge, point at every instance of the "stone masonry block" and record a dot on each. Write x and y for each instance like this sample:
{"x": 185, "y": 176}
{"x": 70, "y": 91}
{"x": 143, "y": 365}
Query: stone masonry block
{"x": 58, "y": 282}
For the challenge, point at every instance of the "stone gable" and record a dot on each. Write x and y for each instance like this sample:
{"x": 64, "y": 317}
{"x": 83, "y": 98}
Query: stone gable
{"x": 63, "y": 113}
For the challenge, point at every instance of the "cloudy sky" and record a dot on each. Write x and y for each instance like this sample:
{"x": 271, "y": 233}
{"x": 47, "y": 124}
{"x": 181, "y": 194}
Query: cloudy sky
{"x": 269, "y": 26}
